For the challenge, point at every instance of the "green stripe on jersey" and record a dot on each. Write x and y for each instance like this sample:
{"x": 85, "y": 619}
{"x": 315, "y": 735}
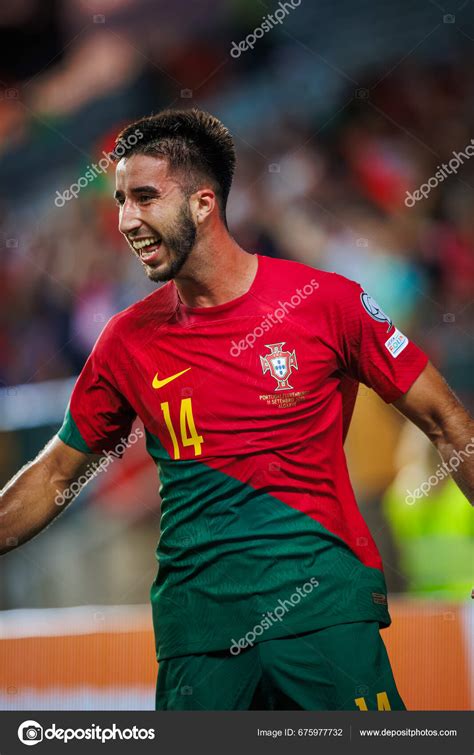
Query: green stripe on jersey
{"x": 70, "y": 434}
{"x": 229, "y": 554}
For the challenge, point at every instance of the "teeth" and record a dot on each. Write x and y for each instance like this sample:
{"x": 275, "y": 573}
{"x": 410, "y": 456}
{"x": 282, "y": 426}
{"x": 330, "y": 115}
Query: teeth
{"x": 143, "y": 243}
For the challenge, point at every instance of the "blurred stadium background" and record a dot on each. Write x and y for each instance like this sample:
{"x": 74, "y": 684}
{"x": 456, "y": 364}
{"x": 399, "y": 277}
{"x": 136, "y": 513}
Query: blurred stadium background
{"x": 336, "y": 113}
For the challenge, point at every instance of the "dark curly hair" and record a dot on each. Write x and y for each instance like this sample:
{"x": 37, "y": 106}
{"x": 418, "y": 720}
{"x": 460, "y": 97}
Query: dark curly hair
{"x": 194, "y": 142}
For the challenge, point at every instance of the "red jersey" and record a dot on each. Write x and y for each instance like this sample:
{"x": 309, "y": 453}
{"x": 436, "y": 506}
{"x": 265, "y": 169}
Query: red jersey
{"x": 246, "y": 406}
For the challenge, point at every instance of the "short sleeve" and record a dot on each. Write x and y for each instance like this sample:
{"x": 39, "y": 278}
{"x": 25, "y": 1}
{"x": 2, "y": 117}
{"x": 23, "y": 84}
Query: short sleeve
{"x": 98, "y": 418}
{"x": 372, "y": 350}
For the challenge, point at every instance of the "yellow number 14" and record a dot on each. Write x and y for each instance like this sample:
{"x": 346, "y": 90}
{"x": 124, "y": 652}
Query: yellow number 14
{"x": 382, "y": 702}
{"x": 189, "y": 436}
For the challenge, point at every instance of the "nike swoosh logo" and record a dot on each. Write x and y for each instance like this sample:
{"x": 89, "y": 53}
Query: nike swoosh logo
{"x": 161, "y": 383}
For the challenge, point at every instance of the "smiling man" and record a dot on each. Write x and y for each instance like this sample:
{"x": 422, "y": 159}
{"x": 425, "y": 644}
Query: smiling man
{"x": 270, "y": 592}
{"x": 163, "y": 253}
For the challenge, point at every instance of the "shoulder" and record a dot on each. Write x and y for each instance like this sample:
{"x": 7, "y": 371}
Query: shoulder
{"x": 287, "y": 276}
{"x": 149, "y": 313}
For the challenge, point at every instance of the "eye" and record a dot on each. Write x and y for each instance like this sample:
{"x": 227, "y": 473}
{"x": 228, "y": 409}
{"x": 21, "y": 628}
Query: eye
{"x": 144, "y": 198}
{"x": 119, "y": 201}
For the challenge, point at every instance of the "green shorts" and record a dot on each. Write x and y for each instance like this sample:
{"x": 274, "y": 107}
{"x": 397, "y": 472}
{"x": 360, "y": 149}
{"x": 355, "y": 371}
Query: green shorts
{"x": 343, "y": 667}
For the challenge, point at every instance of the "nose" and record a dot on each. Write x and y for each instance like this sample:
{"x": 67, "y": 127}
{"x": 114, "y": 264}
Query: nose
{"x": 129, "y": 218}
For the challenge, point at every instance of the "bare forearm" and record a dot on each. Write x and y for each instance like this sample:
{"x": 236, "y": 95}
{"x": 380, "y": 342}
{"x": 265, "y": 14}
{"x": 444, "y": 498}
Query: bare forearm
{"x": 433, "y": 406}
{"x": 32, "y": 499}
{"x": 455, "y": 444}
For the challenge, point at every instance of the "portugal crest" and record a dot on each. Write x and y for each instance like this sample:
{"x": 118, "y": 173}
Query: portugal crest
{"x": 280, "y": 364}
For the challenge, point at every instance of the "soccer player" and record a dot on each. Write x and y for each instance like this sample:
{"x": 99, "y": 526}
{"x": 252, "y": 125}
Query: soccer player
{"x": 244, "y": 370}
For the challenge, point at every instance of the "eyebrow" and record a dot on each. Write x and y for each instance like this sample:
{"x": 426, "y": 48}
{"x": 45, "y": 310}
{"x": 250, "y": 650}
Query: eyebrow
{"x": 140, "y": 190}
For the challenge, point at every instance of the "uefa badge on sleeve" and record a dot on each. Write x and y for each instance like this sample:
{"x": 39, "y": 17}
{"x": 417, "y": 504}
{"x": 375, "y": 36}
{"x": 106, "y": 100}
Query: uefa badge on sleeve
{"x": 396, "y": 343}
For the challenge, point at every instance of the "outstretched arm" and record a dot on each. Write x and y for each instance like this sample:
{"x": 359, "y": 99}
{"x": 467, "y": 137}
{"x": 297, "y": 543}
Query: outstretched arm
{"x": 33, "y": 497}
{"x": 433, "y": 407}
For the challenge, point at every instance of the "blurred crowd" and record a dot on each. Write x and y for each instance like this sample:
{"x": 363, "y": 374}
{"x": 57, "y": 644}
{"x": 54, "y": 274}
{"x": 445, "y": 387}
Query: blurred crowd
{"x": 325, "y": 186}
{"x": 327, "y": 152}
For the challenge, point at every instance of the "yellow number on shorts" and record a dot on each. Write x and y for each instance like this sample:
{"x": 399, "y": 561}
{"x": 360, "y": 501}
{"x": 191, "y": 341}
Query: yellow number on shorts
{"x": 382, "y": 702}
{"x": 189, "y": 435}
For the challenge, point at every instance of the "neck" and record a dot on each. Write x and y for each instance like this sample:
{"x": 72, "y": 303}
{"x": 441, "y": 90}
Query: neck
{"x": 217, "y": 271}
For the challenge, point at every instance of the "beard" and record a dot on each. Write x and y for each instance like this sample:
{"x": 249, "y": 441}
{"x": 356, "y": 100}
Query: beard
{"x": 179, "y": 241}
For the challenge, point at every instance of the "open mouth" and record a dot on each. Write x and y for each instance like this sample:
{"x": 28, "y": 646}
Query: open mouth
{"x": 147, "y": 248}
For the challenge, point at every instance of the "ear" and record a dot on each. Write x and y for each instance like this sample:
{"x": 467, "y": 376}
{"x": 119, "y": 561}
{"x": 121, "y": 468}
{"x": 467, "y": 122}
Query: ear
{"x": 202, "y": 204}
